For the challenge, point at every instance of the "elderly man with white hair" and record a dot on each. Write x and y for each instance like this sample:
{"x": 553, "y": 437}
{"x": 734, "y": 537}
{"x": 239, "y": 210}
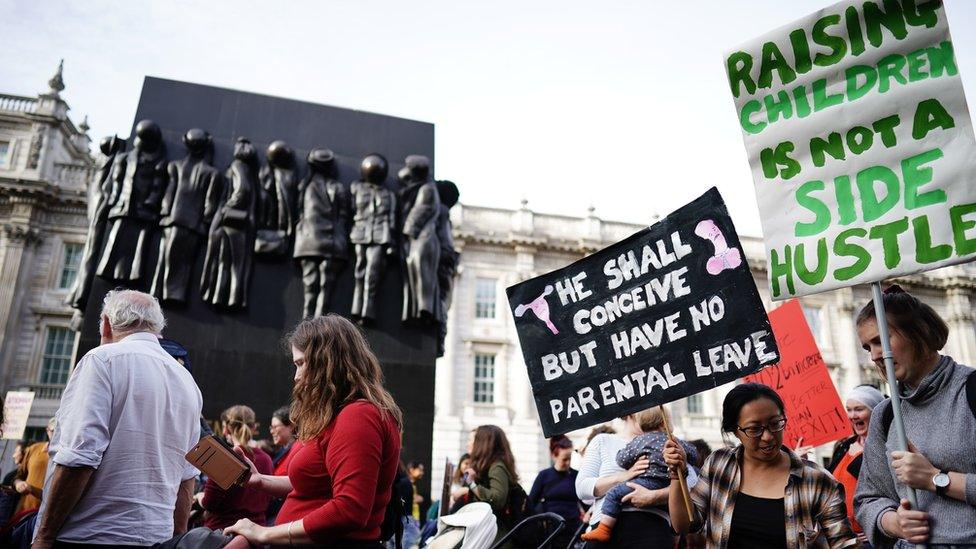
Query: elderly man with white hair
{"x": 117, "y": 474}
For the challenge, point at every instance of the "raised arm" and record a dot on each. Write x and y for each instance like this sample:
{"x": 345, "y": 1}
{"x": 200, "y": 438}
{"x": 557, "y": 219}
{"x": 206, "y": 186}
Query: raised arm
{"x": 676, "y": 459}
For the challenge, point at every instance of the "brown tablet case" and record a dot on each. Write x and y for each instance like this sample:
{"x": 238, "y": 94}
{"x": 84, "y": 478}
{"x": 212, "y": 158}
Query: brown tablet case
{"x": 219, "y": 462}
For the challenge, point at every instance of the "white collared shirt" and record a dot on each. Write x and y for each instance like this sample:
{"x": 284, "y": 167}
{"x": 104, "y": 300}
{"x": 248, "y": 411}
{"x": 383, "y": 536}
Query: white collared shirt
{"x": 132, "y": 412}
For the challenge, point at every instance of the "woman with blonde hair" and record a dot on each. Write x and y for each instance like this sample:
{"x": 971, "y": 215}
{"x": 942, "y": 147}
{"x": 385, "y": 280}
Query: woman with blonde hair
{"x": 225, "y": 507}
{"x": 340, "y": 481}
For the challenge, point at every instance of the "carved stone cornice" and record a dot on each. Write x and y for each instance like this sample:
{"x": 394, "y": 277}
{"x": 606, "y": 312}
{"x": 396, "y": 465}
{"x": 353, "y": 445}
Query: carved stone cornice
{"x": 40, "y": 193}
{"x": 19, "y": 233}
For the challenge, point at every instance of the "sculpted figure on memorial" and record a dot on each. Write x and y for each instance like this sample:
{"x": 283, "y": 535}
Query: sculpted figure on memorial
{"x": 403, "y": 178}
{"x": 276, "y": 207}
{"x": 227, "y": 266}
{"x": 448, "y": 193}
{"x": 188, "y": 207}
{"x": 99, "y": 193}
{"x": 321, "y": 236}
{"x": 420, "y": 207}
{"x": 373, "y": 233}
{"x": 138, "y": 182}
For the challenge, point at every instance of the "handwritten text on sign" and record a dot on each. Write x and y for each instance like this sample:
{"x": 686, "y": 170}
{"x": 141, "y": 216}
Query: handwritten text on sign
{"x": 16, "y": 411}
{"x": 814, "y": 410}
{"x": 668, "y": 312}
{"x": 860, "y": 142}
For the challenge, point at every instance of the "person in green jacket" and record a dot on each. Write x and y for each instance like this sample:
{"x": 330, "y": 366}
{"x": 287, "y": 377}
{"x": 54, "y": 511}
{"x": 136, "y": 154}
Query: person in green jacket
{"x": 492, "y": 472}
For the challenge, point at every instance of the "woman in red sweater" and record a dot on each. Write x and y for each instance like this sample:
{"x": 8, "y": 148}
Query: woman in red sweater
{"x": 225, "y": 507}
{"x": 341, "y": 480}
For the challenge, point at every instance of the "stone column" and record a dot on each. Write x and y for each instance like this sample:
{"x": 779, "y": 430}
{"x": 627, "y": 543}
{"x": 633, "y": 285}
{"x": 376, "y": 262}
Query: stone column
{"x": 847, "y": 342}
{"x": 17, "y": 239}
{"x": 444, "y": 384}
{"x": 959, "y": 317}
{"x": 502, "y": 385}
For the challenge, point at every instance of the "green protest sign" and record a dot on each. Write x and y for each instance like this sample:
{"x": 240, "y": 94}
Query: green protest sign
{"x": 860, "y": 143}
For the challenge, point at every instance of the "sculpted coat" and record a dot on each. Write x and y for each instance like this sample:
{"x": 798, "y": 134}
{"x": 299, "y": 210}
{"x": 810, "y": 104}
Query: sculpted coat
{"x": 420, "y": 208}
{"x": 277, "y": 204}
{"x": 230, "y": 249}
{"x": 448, "y": 193}
{"x": 321, "y": 236}
{"x": 188, "y": 208}
{"x": 139, "y": 181}
{"x": 372, "y": 233}
{"x": 99, "y": 197}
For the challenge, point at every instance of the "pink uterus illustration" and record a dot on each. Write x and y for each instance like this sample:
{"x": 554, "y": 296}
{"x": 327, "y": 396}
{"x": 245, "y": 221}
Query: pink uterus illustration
{"x": 540, "y": 307}
{"x": 725, "y": 257}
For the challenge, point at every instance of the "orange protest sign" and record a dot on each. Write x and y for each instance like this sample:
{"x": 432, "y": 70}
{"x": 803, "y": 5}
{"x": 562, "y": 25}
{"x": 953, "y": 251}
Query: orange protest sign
{"x": 814, "y": 410}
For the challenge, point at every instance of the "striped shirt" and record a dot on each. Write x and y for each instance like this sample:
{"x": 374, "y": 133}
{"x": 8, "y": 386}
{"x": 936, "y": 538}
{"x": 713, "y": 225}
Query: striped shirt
{"x": 813, "y": 503}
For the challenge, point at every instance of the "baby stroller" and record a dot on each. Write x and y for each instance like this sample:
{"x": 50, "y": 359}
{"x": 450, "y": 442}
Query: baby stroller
{"x": 474, "y": 527}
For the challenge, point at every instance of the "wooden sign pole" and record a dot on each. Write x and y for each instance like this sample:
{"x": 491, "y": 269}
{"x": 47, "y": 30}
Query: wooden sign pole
{"x": 682, "y": 481}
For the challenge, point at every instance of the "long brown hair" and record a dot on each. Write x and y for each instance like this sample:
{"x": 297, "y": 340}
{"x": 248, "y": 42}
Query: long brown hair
{"x": 239, "y": 421}
{"x": 491, "y": 445}
{"x": 339, "y": 368}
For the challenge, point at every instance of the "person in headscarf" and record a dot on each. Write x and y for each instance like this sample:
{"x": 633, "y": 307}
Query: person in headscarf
{"x": 845, "y": 463}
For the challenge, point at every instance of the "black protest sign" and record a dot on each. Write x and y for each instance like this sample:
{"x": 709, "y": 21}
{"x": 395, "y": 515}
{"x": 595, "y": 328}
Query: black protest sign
{"x": 668, "y": 312}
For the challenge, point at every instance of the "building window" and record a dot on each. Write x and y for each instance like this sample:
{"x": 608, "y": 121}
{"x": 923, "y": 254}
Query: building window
{"x": 69, "y": 265}
{"x": 813, "y": 320}
{"x": 56, "y": 362}
{"x": 5, "y": 150}
{"x": 695, "y": 404}
{"x": 484, "y": 378}
{"x": 484, "y": 298}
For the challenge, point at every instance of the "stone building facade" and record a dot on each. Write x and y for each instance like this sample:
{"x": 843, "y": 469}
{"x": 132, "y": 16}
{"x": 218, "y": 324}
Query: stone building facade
{"x": 45, "y": 166}
{"x": 482, "y": 377}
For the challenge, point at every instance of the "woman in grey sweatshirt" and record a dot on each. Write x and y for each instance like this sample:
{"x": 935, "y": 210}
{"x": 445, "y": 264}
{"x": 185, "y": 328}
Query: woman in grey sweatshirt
{"x": 939, "y": 423}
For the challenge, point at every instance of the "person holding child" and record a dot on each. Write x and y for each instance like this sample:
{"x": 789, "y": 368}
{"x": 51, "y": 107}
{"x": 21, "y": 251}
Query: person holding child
{"x": 648, "y": 445}
{"x": 643, "y": 523}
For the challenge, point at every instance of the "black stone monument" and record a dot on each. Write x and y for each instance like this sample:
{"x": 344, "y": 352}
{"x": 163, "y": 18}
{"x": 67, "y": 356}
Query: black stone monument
{"x": 237, "y": 355}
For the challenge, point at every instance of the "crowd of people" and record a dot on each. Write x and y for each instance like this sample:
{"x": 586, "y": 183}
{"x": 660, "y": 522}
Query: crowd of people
{"x": 114, "y": 474}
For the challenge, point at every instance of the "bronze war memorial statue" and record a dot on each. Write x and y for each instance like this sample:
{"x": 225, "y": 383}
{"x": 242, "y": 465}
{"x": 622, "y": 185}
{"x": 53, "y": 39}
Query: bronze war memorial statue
{"x": 244, "y": 213}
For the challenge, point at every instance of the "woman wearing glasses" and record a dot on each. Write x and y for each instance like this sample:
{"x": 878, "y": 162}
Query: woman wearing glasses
{"x": 759, "y": 494}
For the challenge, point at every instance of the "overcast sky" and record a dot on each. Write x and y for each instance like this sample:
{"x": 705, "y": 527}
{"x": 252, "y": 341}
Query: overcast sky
{"x": 619, "y": 105}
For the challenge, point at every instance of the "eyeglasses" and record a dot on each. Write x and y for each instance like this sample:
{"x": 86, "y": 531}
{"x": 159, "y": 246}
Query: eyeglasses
{"x": 756, "y": 431}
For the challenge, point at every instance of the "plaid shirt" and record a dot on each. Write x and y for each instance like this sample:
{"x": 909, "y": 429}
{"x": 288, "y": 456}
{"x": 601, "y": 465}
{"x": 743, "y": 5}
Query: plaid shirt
{"x": 814, "y": 503}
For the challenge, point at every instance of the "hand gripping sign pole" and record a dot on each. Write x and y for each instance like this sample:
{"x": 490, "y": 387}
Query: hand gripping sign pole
{"x": 889, "y": 362}
{"x": 682, "y": 481}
